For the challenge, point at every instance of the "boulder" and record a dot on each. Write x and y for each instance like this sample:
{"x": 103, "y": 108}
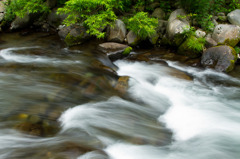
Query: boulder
{"x": 158, "y": 13}
{"x": 174, "y": 29}
{"x": 64, "y": 30}
{"x": 54, "y": 19}
{"x": 20, "y": 23}
{"x": 118, "y": 32}
{"x": 177, "y": 14}
{"x": 226, "y": 34}
{"x": 176, "y": 26}
{"x": 132, "y": 39}
{"x": 210, "y": 42}
{"x": 114, "y": 50}
{"x": 73, "y": 35}
{"x": 162, "y": 26}
{"x": 234, "y": 17}
{"x": 221, "y": 58}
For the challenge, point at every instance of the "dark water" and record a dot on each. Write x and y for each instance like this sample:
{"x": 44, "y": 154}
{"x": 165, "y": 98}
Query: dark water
{"x": 60, "y": 103}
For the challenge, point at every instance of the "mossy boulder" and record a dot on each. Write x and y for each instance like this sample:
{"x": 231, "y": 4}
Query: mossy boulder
{"x": 191, "y": 47}
{"x": 76, "y": 36}
{"x": 221, "y": 58}
{"x": 225, "y": 34}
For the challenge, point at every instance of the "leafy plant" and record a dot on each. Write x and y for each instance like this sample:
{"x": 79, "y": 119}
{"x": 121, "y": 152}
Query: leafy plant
{"x": 142, "y": 25}
{"x": 22, "y": 7}
{"x": 192, "y": 42}
{"x": 94, "y": 14}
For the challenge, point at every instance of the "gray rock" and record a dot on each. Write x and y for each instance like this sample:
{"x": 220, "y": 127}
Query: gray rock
{"x": 73, "y": 35}
{"x": 200, "y": 33}
{"x": 132, "y": 39}
{"x": 158, "y": 13}
{"x": 118, "y": 32}
{"x": 20, "y": 23}
{"x": 221, "y": 58}
{"x": 111, "y": 47}
{"x": 177, "y": 25}
{"x": 210, "y": 42}
{"x": 2, "y": 6}
{"x": 177, "y": 14}
{"x": 54, "y": 19}
{"x": 234, "y": 17}
{"x": 112, "y": 50}
{"x": 226, "y": 34}
{"x": 63, "y": 31}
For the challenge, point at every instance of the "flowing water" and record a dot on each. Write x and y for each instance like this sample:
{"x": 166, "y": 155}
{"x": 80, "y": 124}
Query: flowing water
{"x": 55, "y": 103}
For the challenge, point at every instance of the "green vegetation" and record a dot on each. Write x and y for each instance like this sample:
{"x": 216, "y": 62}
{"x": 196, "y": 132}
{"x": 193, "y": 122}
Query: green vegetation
{"x": 22, "y": 7}
{"x": 142, "y": 25}
{"x": 95, "y": 15}
{"x": 127, "y": 50}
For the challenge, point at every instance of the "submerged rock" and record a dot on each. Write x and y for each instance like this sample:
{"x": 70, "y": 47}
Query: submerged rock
{"x": 221, "y": 58}
{"x": 34, "y": 125}
{"x": 122, "y": 84}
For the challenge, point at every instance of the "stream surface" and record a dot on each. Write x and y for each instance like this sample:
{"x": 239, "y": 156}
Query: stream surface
{"x": 56, "y": 104}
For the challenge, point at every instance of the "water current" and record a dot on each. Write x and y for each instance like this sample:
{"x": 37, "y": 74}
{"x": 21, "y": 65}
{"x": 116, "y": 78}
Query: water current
{"x": 55, "y": 103}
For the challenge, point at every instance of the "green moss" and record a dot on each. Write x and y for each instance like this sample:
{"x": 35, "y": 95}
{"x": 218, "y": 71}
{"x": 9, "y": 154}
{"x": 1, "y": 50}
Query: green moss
{"x": 127, "y": 50}
{"x": 232, "y": 42}
{"x": 231, "y": 66}
{"x": 191, "y": 47}
{"x": 72, "y": 40}
{"x": 154, "y": 39}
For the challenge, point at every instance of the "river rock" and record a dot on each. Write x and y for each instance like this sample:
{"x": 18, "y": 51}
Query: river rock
{"x": 200, "y": 33}
{"x": 176, "y": 26}
{"x": 209, "y": 41}
{"x": 226, "y": 34}
{"x": 20, "y": 23}
{"x": 114, "y": 50}
{"x": 158, "y": 13}
{"x": 132, "y": 39}
{"x": 118, "y": 32}
{"x": 54, "y": 19}
{"x": 234, "y": 17}
{"x": 73, "y": 35}
{"x": 221, "y": 58}
{"x": 122, "y": 84}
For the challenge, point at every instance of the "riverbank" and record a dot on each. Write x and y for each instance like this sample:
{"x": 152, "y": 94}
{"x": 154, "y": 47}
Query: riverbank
{"x": 176, "y": 30}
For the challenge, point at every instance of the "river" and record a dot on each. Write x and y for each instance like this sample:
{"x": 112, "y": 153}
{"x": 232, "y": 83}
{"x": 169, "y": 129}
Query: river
{"x": 56, "y": 104}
